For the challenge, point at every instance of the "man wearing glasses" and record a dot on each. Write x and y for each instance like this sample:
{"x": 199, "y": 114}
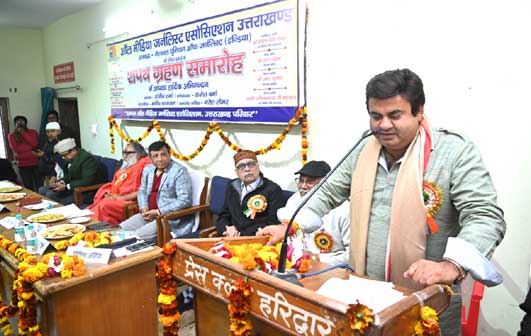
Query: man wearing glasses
{"x": 113, "y": 197}
{"x": 251, "y": 200}
{"x": 331, "y": 242}
{"x": 82, "y": 169}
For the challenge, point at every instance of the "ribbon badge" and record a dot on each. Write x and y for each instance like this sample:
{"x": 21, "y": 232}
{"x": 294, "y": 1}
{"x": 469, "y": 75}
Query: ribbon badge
{"x": 324, "y": 241}
{"x": 255, "y": 204}
{"x": 121, "y": 178}
{"x": 433, "y": 198}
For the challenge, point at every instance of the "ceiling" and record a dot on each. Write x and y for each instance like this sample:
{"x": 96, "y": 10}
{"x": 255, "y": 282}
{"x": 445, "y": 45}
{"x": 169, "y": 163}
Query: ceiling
{"x": 38, "y": 13}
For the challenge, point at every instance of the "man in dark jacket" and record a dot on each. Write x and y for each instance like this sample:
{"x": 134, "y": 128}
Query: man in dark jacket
{"x": 251, "y": 200}
{"x": 82, "y": 169}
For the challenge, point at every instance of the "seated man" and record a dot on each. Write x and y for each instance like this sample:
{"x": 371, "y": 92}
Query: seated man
{"x": 111, "y": 198}
{"x": 82, "y": 169}
{"x": 166, "y": 187}
{"x": 48, "y": 158}
{"x": 331, "y": 241}
{"x": 7, "y": 172}
{"x": 251, "y": 200}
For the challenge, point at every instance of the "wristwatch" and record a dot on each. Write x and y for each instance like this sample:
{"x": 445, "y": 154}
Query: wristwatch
{"x": 462, "y": 273}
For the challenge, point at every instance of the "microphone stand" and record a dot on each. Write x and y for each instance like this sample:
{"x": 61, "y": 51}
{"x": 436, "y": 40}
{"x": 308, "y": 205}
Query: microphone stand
{"x": 281, "y": 271}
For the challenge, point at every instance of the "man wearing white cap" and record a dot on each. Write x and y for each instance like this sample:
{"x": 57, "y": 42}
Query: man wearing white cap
{"x": 82, "y": 169}
{"x": 46, "y": 154}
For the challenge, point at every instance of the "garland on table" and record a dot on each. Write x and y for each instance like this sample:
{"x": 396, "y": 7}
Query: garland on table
{"x": 300, "y": 116}
{"x": 167, "y": 299}
{"x": 428, "y": 323}
{"x": 90, "y": 239}
{"x": 30, "y": 270}
{"x": 239, "y": 307}
{"x": 360, "y": 318}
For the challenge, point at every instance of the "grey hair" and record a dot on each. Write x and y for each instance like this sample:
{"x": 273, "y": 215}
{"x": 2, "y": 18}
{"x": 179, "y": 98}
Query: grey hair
{"x": 139, "y": 149}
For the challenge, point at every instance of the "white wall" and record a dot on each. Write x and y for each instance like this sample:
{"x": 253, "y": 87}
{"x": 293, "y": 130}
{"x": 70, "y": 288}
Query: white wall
{"x": 21, "y": 67}
{"x": 472, "y": 56}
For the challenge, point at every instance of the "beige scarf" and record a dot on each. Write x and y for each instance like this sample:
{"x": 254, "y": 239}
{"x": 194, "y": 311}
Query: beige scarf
{"x": 407, "y": 231}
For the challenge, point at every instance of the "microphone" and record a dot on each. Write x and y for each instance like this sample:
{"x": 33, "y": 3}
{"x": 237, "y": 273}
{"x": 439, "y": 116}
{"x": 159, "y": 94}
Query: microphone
{"x": 281, "y": 271}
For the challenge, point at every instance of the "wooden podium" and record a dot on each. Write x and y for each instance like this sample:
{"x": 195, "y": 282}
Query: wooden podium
{"x": 279, "y": 307}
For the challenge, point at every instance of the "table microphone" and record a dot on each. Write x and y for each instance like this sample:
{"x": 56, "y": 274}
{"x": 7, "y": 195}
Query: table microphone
{"x": 281, "y": 271}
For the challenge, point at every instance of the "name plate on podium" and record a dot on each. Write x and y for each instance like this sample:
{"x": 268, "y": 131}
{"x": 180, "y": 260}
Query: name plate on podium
{"x": 289, "y": 308}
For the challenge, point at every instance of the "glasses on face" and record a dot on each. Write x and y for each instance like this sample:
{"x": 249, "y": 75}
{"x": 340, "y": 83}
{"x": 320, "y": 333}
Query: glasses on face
{"x": 310, "y": 181}
{"x": 126, "y": 152}
{"x": 250, "y": 164}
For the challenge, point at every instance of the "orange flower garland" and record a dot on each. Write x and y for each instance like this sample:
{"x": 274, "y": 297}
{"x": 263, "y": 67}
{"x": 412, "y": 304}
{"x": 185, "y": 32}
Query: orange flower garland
{"x": 167, "y": 299}
{"x": 428, "y": 324}
{"x": 239, "y": 307}
{"x": 300, "y": 116}
{"x": 30, "y": 270}
{"x": 360, "y": 318}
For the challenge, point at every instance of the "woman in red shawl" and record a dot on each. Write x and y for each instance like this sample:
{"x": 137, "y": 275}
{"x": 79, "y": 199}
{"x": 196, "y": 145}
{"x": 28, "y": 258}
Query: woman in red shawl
{"x": 112, "y": 197}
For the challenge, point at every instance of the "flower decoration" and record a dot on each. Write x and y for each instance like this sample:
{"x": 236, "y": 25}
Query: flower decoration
{"x": 324, "y": 241}
{"x": 89, "y": 238}
{"x": 239, "y": 307}
{"x": 167, "y": 299}
{"x": 30, "y": 270}
{"x": 428, "y": 324}
{"x": 299, "y": 117}
{"x": 256, "y": 256}
{"x": 360, "y": 317}
{"x": 433, "y": 198}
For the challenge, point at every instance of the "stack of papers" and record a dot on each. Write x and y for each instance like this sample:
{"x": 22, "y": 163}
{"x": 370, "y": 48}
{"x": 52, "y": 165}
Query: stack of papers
{"x": 377, "y": 295}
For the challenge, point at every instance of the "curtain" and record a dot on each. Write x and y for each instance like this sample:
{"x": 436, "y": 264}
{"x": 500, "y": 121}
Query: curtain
{"x": 47, "y": 96}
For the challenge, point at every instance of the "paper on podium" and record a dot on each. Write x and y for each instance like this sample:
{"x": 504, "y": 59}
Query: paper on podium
{"x": 377, "y": 295}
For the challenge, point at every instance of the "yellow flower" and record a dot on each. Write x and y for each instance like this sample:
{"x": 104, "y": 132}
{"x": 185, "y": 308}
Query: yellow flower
{"x": 66, "y": 274}
{"x": 166, "y": 299}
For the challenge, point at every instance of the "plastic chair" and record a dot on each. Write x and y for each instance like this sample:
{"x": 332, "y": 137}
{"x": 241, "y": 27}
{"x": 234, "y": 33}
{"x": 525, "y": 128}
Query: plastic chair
{"x": 469, "y": 323}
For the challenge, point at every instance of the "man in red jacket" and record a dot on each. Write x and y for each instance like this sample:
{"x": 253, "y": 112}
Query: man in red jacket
{"x": 23, "y": 141}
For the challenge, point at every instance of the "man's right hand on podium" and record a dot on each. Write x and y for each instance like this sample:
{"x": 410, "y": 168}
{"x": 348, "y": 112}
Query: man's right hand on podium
{"x": 274, "y": 232}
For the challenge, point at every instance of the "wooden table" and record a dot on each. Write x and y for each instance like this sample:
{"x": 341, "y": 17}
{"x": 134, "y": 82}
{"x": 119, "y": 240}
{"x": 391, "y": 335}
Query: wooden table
{"x": 115, "y": 299}
{"x": 279, "y": 307}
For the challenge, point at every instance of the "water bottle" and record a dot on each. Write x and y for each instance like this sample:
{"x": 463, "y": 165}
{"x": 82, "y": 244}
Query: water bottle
{"x": 31, "y": 239}
{"x": 19, "y": 229}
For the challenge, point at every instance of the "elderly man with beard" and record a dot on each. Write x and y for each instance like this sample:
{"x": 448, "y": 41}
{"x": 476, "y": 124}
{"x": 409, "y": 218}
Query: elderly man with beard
{"x": 112, "y": 197}
{"x": 251, "y": 200}
{"x": 166, "y": 187}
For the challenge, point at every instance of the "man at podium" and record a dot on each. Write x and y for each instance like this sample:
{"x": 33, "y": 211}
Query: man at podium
{"x": 423, "y": 205}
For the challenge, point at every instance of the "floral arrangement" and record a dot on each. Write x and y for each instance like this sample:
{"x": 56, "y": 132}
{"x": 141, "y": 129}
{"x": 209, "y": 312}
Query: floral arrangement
{"x": 239, "y": 307}
{"x": 30, "y": 270}
{"x": 90, "y": 239}
{"x": 300, "y": 116}
{"x": 428, "y": 323}
{"x": 167, "y": 299}
{"x": 262, "y": 257}
{"x": 360, "y": 318}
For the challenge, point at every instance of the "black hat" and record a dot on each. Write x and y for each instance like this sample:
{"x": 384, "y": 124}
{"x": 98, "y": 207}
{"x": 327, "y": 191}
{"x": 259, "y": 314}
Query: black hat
{"x": 315, "y": 169}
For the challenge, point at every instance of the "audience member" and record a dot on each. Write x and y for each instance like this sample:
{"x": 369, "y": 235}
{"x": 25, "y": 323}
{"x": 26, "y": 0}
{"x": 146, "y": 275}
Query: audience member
{"x": 82, "y": 169}
{"x": 331, "y": 242}
{"x": 23, "y": 141}
{"x": 48, "y": 158}
{"x": 7, "y": 173}
{"x": 112, "y": 197}
{"x": 166, "y": 187}
{"x": 251, "y": 200}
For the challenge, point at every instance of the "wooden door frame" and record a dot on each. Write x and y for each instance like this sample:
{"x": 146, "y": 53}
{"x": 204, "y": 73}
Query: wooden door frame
{"x": 4, "y": 101}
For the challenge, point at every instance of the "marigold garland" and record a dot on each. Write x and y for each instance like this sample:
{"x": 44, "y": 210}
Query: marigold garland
{"x": 239, "y": 307}
{"x": 300, "y": 116}
{"x": 360, "y": 318}
{"x": 30, "y": 270}
{"x": 428, "y": 323}
{"x": 167, "y": 299}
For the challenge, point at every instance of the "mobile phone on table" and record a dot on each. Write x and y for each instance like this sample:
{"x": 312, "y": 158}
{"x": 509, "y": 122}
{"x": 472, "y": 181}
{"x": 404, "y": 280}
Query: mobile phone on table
{"x": 137, "y": 246}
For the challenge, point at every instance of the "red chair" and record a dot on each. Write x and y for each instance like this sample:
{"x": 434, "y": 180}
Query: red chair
{"x": 469, "y": 324}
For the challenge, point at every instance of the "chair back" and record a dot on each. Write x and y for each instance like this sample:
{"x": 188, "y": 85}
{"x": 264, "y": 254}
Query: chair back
{"x": 109, "y": 165}
{"x": 286, "y": 194}
{"x": 469, "y": 322}
{"x": 217, "y": 193}
{"x": 199, "y": 194}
